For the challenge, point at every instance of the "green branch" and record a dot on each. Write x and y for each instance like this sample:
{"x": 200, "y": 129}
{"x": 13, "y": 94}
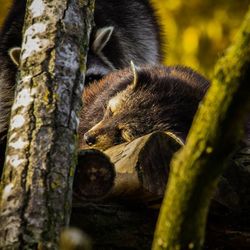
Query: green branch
{"x": 215, "y": 133}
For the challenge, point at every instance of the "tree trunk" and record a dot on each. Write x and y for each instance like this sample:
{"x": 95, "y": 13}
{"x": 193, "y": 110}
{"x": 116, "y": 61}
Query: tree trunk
{"x": 40, "y": 157}
{"x": 216, "y": 130}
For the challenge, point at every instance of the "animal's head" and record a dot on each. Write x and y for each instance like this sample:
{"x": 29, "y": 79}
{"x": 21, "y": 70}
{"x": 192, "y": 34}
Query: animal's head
{"x": 118, "y": 123}
{"x": 155, "y": 98}
{"x": 137, "y": 110}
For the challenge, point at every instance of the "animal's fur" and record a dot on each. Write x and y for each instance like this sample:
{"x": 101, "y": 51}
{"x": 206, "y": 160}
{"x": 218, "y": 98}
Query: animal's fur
{"x": 163, "y": 99}
{"x": 135, "y": 35}
{"x": 124, "y": 31}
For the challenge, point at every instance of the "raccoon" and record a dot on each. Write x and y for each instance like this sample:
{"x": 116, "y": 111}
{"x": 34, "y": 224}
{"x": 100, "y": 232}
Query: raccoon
{"x": 124, "y": 31}
{"x": 130, "y": 103}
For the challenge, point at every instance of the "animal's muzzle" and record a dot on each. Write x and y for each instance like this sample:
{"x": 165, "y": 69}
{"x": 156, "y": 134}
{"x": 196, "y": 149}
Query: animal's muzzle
{"x": 89, "y": 138}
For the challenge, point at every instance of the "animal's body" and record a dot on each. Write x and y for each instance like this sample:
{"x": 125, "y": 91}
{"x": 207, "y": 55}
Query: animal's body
{"x": 120, "y": 108}
{"x": 124, "y": 31}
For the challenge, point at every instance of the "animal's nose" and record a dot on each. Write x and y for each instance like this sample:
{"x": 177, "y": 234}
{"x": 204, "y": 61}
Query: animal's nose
{"x": 89, "y": 139}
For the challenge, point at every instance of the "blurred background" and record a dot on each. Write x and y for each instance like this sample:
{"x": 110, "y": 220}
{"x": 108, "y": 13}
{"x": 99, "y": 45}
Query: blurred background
{"x": 196, "y": 31}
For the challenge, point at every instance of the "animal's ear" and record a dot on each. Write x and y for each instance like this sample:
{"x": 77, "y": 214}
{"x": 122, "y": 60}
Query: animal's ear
{"x": 177, "y": 138}
{"x": 102, "y": 37}
{"x": 135, "y": 75}
{"x": 14, "y": 54}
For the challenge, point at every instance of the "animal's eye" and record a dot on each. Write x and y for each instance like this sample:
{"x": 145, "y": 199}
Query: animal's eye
{"x": 91, "y": 78}
{"x": 126, "y": 135}
{"x": 111, "y": 110}
{"x": 108, "y": 112}
{"x": 114, "y": 105}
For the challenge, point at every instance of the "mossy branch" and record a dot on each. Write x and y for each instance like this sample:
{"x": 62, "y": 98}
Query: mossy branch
{"x": 215, "y": 133}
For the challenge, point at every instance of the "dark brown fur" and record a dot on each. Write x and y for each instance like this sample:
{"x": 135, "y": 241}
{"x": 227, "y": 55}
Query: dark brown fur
{"x": 164, "y": 99}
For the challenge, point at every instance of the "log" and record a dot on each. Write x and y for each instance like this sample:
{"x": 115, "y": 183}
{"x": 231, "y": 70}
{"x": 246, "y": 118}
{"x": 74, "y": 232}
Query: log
{"x": 94, "y": 175}
{"x": 142, "y": 166}
{"x": 141, "y": 169}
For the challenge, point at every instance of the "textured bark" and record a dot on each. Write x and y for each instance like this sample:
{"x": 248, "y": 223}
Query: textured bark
{"x": 216, "y": 131}
{"x": 36, "y": 185}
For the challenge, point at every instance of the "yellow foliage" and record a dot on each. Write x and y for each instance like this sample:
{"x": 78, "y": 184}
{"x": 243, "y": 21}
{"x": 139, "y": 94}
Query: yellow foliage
{"x": 5, "y": 4}
{"x": 198, "y": 31}
{"x": 190, "y": 40}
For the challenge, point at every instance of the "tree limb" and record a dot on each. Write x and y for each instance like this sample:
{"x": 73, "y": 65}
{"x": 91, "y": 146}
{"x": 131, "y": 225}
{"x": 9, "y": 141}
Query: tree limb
{"x": 216, "y": 130}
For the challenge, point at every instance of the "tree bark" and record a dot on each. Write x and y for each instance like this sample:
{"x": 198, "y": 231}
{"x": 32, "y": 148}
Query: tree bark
{"x": 216, "y": 130}
{"x": 38, "y": 173}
